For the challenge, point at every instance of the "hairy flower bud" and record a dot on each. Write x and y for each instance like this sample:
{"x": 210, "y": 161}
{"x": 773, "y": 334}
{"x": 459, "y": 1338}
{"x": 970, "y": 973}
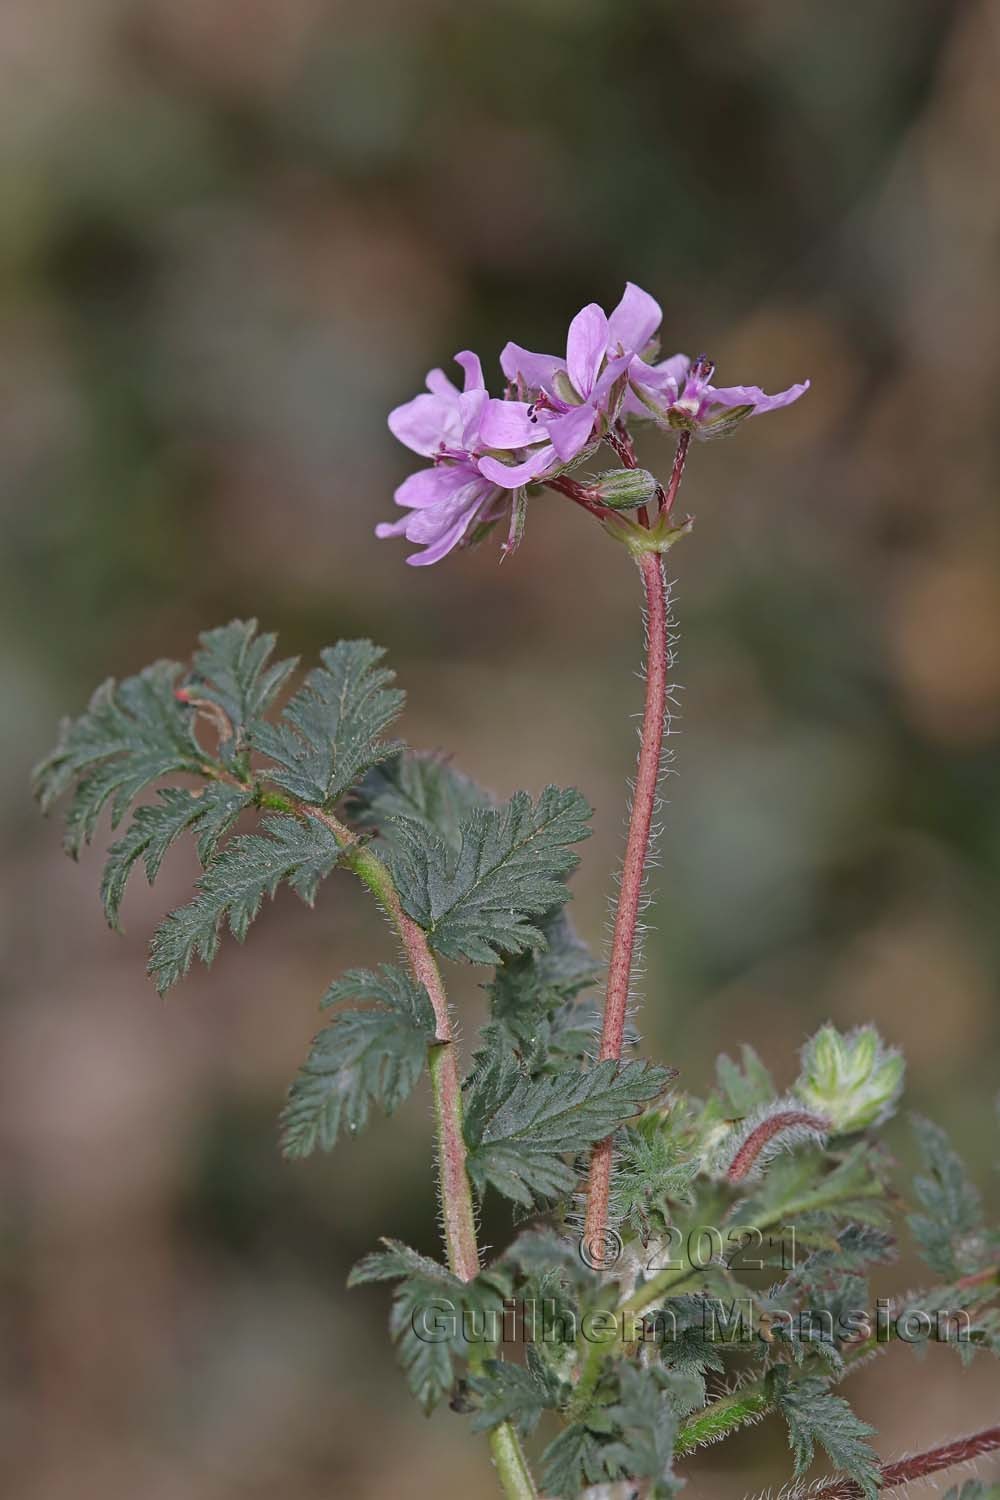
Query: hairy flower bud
{"x": 623, "y": 489}
{"x": 854, "y": 1080}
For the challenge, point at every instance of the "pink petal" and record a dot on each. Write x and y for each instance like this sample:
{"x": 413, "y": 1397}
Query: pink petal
{"x": 752, "y": 395}
{"x": 430, "y": 486}
{"x": 536, "y": 370}
{"x": 426, "y": 422}
{"x": 506, "y": 424}
{"x": 470, "y": 363}
{"x": 439, "y": 385}
{"x": 586, "y": 346}
{"x": 510, "y": 477}
{"x": 634, "y": 320}
{"x": 570, "y": 433}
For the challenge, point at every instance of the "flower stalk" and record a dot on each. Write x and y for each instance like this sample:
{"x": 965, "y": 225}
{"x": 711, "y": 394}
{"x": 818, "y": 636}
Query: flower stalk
{"x": 637, "y": 846}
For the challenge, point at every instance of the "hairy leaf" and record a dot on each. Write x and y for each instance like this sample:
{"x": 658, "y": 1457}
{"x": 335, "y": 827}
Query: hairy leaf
{"x": 435, "y": 1316}
{"x": 514, "y": 1393}
{"x": 329, "y": 734}
{"x": 208, "y": 814}
{"x": 572, "y": 1461}
{"x": 744, "y": 1085}
{"x": 799, "y": 1187}
{"x": 947, "y": 1230}
{"x": 814, "y": 1415}
{"x": 295, "y": 851}
{"x": 647, "y": 1427}
{"x": 371, "y": 1053}
{"x": 232, "y": 671}
{"x": 650, "y": 1172}
{"x": 426, "y": 789}
{"x": 484, "y": 899}
{"x": 133, "y": 733}
{"x": 519, "y": 1128}
{"x": 533, "y": 999}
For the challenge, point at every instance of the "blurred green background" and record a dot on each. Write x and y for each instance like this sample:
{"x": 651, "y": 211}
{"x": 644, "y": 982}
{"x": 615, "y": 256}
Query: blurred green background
{"x": 233, "y": 233}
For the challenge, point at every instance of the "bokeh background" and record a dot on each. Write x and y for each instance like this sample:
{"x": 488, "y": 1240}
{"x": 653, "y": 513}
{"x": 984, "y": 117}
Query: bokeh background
{"x": 233, "y": 233}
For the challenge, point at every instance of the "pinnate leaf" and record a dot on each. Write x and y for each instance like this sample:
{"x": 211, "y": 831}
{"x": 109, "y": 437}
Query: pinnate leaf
{"x": 947, "y": 1230}
{"x": 330, "y": 732}
{"x": 367, "y": 1053}
{"x": 424, "y": 788}
{"x": 484, "y": 898}
{"x": 208, "y": 814}
{"x": 815, "y": 1415}
{"x": 233, "y": 670}
{"x": 298, "y": 852}
{"x": 519, "y": 1129}
{"x": 429, "y": 1312}
{"x": 132, "y": 733}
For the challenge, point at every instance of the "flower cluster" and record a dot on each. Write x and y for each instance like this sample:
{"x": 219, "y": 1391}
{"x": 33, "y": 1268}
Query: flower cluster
{"x": 556, "y": 409}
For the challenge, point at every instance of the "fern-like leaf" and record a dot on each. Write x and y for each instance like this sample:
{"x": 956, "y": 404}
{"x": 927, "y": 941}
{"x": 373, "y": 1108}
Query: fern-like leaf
{"x": 519, "y": 1128}
{"x": 298, "y": 852}
{"x": 424, "y": 788}
{"x": 484, "y": 898}
{"x": 233, "y": 670}
{"x": 329, "y": 734}
{"x": 815, "y": 1415}
{"x": 367, "y": 1054}
{"x": 947, "y": 1230}
{"x": 208, "y": 814}
{"x": 432, "y": 1313}
{"x": 133, "y": 733}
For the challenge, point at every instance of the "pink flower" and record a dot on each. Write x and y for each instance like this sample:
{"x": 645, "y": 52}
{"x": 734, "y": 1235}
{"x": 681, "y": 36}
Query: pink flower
{"x": 574, "y": 398}
{"x": 682, "y": 398}
{"x": 449, "y": 499}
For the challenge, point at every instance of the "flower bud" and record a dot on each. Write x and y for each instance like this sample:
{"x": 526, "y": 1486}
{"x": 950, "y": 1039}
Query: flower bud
{"x": 854, "y": 1080}
{"x": 624, "y": 489}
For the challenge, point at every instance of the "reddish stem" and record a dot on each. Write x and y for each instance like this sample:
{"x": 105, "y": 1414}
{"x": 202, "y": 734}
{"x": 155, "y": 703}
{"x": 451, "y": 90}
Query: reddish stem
{"x": 788, "y": 1119}
{"x": 960, "y": 1451}
{"x": 677, "y": 472}
{"x": 633, "y": 870}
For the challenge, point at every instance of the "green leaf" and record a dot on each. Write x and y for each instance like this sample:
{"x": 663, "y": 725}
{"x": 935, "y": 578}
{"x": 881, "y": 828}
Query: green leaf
{"x": 435, "y": 1316}
{"x": 533, "y": 995}
{"x": 423, "y": 788}
{"x": 372, "y": 1053}
{"x": 572, "y": 1461}
{"x": 648, "y": 1425}
{"x": 519, "y": 1128}
{"x": 329, "y": 734}
{"x": 232, "y": 671}
{"x": 295, "y": 851}
{"x": 814, "y": 1415}
{"x": 650, "y": 1173}
{"x": 798, "y": 1187}
{"x": 743, "y": 1085}
{"x": 208, "y": 814}
{"x": 133, "y": 733}
{"x": 515, "y": 1393}
{"x": 975, "y": 1489}
{"x": 483, "y": 899}
{"x": 947, "y": 1230}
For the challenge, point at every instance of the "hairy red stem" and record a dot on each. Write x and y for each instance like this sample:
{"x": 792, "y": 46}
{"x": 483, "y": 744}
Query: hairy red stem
{"x": 960, "y": 1451}
{"x": 788, "y": 1119}
{"x": 633, "y": 871}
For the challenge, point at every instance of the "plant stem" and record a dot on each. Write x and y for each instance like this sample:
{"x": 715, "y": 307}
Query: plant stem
{"x": 510, "y": 1463}
{"x": 632, "y": 877}
{"x": 457, "y": 1210}
{"x": 961, "y": 1450}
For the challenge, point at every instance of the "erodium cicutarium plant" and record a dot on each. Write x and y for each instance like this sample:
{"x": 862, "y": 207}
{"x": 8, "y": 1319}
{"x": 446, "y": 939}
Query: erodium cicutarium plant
{"x": 681, "y": 1266}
